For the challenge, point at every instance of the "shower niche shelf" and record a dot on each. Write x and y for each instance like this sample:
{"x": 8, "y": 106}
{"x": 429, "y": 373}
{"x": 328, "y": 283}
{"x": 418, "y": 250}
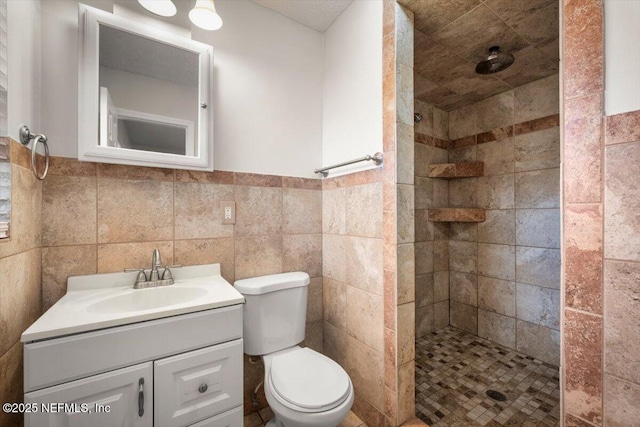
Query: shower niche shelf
{"x": 457, "y": 215}
{"x": 455, "y": 170}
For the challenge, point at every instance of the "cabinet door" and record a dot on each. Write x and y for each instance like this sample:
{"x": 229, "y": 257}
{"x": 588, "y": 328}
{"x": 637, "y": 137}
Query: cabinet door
{"x": 197, "y": 385}
{"x": 128, "y": 393}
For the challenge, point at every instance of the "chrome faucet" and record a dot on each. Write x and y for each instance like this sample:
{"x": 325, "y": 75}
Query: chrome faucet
{"x": 154, "y": 278}
{"x": 156, "y": 261}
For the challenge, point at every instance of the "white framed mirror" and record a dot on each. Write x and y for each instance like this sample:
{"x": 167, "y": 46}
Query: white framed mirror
{"x": 144, "y": 95}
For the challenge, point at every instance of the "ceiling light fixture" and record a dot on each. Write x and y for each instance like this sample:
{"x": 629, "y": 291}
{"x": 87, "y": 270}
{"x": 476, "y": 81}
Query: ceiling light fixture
{"x": 159, "y": 7}
{"x": 204, "y": 15}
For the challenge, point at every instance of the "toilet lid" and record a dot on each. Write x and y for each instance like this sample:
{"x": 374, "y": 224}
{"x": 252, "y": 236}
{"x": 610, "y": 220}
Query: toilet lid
{"x": 309, "y": 380}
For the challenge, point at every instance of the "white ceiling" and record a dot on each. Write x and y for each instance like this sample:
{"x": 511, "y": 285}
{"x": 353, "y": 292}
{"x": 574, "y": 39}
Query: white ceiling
{"x": 316, "y": 14}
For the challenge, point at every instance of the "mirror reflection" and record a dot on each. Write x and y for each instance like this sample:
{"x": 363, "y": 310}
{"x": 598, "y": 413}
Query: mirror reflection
{"x": 148, "y": 94}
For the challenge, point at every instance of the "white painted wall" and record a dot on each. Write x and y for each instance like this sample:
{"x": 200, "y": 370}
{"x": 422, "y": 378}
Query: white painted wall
{"x": 23, "y": 55}
{"x": 622, "y": 56}
{"x": 352, "y": 86}
{"x": 268, "y": 87}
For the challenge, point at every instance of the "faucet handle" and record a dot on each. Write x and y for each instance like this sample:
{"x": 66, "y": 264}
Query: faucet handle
{"x": 142, "y": 277}
{"x": 166, "y": 274}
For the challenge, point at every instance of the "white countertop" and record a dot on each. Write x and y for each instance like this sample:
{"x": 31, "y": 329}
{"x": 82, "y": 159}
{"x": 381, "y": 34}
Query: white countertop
{"x": 76, "y": 312}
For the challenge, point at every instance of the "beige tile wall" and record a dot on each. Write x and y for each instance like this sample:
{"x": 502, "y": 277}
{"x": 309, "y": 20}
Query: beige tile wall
{"x": 104, "y": 218}
{"x": 505, "y": 272}
{"x": 352, "y": 266}
{"x": 20, "y": 297}
{"x": 432, "y": 249}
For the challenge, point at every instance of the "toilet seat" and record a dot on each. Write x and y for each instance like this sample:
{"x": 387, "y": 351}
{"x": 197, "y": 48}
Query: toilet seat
{"x": 307, "y": 381}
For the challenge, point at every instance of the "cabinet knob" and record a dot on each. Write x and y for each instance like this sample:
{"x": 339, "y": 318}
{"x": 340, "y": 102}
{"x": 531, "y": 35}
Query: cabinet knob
{"x": 203, "y": 388}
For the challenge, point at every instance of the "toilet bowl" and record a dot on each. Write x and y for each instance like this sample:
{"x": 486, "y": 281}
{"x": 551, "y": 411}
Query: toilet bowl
{"x": 303, "y": 387}
{"x": 307, "y": 389}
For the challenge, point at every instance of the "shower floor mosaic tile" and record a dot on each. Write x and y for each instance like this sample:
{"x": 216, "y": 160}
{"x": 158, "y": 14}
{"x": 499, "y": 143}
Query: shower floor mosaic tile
{"x": 454, "y": 369}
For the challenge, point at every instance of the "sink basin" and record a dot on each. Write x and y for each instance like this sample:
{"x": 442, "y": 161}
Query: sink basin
{"x": 146, "y": 299}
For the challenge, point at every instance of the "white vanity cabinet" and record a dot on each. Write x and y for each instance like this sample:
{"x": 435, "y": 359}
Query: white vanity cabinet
{"x": 178, "y": 371}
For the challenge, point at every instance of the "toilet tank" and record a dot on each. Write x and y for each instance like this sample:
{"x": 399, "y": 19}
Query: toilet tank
{"x": 275, "y": 311}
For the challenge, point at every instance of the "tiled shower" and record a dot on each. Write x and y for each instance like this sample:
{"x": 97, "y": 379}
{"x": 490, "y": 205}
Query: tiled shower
{"x": 498, "y": 279}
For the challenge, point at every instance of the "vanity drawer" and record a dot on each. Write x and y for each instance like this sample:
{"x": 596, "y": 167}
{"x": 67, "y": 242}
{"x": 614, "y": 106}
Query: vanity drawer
{"x": 232, "y": 418}
{"x": 82, "y": 355}
{"x": 193, "y": 386}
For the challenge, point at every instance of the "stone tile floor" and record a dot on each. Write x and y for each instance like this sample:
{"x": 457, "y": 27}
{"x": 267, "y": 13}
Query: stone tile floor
{"x": 455, "y": 368}
{"x": 259, "y": 419}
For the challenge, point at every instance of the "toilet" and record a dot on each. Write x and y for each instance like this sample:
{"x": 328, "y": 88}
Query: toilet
{"x": 303, "y": 387}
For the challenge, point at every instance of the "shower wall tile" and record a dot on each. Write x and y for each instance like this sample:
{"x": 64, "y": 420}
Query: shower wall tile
{"x": 497, "y": 156}
{"x": 425, "y": 289}
{"x": 463, "y": 193}
{"x": 464, "y": 288}
{"x": 497, "y": 328}
{"x": 538, "y": 266}
{"x": 537, "y": 99}
{"x": 425, "y": 126}
{"x": 425, "y": 323}
{"x": 494, "y": 112}
{"x": 497, "y": 261}
{"x": 538, "y": 341}
{"x": 537, "y": 150}
{"x": 463, "y": 316}
{"x": 406, "y": 334}
{"x": 441, "y": 124}
{"x": 497, "y": 296}
{"x": 440, "y": 286}
{"x": 424, "y": 257}
{"x": 441, "y": 314}
{"x": 463, "y": 256}
{"x": 499, "y": 227}
{"x": 539, "y": 189}
{"x": 538, "y": 228}
{"x": 496, "y": 192}
{"x": 462, "y": 122}
{"x": 465, "y": 231}
{"x": 538, "y": 305}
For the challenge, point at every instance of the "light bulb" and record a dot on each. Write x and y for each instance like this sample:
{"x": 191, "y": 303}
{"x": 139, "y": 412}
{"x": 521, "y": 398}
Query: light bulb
{"x": 204, "y": 15}
{"x": 159, "y": 7}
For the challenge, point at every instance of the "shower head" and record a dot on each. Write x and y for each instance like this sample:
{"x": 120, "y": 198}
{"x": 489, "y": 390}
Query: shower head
{"x": 417, "y": 117}
{"x": 495, "y": 62}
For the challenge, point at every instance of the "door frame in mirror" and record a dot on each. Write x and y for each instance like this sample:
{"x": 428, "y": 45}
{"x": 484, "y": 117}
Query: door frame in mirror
{"x": 89, "y": 148}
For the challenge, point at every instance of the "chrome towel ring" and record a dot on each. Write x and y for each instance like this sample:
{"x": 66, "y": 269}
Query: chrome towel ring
{"x": 25, "y": 137}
